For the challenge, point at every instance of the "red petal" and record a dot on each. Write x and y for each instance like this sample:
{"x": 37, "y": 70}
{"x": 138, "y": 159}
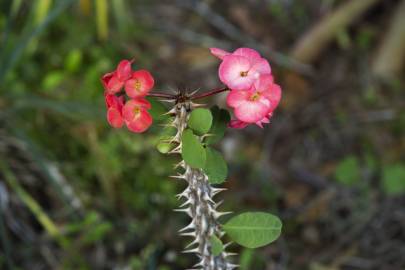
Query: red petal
{"x": 114, "y": 118}
{"x": 140, "y": 84}
{"x": 124, "y": 70}
{"x": 141, "y": 123}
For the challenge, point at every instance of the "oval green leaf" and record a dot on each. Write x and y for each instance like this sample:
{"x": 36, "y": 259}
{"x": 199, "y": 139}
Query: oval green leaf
{"x": 221, "y": 119}
{"x": 192, "y": 150}
{"x": 216, "y": 245}
{"x": 215, "y": 167}
{"x": 253, "y": 229}
{"x": 200, "y": 121}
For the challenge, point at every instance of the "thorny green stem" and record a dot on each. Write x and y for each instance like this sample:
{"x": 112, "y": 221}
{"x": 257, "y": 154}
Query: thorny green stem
{"x": 199, "y": 204}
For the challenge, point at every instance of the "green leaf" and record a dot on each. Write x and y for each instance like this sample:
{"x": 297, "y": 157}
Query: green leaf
{"x": 393, "y": 179}
{"x": 164, "y": 145}
{"x": 215, "y": 167}
{"x": 200, "y": 121}
{"x": 253, "y": 229}
{"x": 216, "y": 245}
{"x": 158, "y": 110}
{"x": 221, "y": 119}
{"x": 193, "y": 152}
{"x": 347, "y": 171}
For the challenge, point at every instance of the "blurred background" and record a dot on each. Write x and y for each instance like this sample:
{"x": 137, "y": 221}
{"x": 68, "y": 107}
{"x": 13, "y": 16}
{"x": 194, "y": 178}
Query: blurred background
{"x": 77, "y": 194}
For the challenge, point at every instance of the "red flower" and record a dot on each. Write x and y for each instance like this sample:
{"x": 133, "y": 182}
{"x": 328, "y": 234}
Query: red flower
{"x": 114, "y": 110}
{"x": 114, "y": 81}
{"x": 136, "y": 116}
{"x": 139, "y": 84}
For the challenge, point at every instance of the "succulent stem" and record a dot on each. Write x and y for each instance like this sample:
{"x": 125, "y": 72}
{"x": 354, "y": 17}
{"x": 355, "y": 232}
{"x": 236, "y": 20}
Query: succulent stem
{"x": 199, "y": 204}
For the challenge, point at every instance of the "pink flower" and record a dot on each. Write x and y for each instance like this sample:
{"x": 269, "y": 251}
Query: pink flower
{"x": 114, "y": 110}
{"x": 240, "y": 69}
{"x": 256, "y": 105}
{"x": 114, "y": 81}
{"x": 136, "y": 116}
{"x": 139, "y": 84}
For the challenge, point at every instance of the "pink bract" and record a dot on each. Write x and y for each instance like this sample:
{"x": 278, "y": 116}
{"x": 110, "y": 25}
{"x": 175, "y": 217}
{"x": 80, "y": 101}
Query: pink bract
{"x": 136, "y": 116}
{"x": 249, "y": 106}
{"x": 140, "y": 84}
{"x": 239, "y": 72}
{"x": 256, "y": 105}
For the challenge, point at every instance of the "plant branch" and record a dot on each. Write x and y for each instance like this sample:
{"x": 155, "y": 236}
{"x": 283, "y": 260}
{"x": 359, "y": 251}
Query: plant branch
{"x": 210, "y": 93}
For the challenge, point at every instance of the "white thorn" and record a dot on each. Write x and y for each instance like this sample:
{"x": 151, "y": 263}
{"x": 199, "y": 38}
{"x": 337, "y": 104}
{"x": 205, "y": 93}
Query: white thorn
{"x": 186, "y": 210}
{"x": 231, "y": 266}
{"x": 215, "y": 191}
{"x": 178, "y": 176}
{"x": 220, "y": 214}
{"x": 218, "y": 204}
{"x": 168, "y": 100}
{"x": 186, "y": 203}
{"x": 192, "y": 244}
{"x": 194, "y": 250}
{"x": 191, "y": 234}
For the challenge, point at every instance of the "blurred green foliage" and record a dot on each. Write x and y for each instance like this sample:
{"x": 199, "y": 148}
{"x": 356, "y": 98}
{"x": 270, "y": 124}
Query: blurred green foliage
{"x": 51, "y": 61}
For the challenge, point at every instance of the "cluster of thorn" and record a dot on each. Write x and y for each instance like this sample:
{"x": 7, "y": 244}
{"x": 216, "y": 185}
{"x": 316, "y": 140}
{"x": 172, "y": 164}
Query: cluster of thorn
{"x": 199, "y": 204}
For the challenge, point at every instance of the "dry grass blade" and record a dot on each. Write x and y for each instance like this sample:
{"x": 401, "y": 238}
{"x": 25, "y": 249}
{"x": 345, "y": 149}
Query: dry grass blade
{"x": 391, "y": 54}
{"x": 313, "y": 42}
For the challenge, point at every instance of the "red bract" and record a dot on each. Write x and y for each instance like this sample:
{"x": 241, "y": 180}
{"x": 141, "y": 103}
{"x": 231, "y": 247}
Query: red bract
{"x": 114, "y": 110}
{"x": 114, "y": 81}
{"x": 136, "y": 116}
{"x": 139, "y": 84}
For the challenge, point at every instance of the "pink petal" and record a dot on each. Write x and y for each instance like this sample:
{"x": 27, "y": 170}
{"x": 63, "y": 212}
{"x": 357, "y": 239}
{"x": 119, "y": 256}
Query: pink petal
{"x": 141, "y": 122}
{"x": 252, "y": 55}
{"x": 264, "y": 82}
{"x": 251, "y": 111}
{"x": 114, "y": 117}
{"x": 124, "y": 70}
{"x": 235, "y": 98}
{"x": 273, "y": 94}
{"x": 219, "y": 53}
{"x": 231, "y": 72}
{"x": 262, "y": 121}
{"x": 140, "y": 84}
{"x": 237, "y": 124}
{"x": 260, "y": 67}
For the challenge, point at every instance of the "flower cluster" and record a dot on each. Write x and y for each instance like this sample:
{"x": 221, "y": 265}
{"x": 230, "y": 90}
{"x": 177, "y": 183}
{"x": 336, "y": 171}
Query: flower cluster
{"x": 254, "y": 95}
{"x": 133, "y": 112}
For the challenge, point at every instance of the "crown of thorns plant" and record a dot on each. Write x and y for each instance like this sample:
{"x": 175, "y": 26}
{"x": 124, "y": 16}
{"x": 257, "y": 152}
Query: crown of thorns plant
{"x": 191, "y": 131}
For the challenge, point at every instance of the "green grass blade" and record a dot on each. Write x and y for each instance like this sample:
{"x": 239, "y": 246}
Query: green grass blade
{"x": 102, "y": 19}
{"x": 7, "y": 64}
{"x": 32, "y": 205}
